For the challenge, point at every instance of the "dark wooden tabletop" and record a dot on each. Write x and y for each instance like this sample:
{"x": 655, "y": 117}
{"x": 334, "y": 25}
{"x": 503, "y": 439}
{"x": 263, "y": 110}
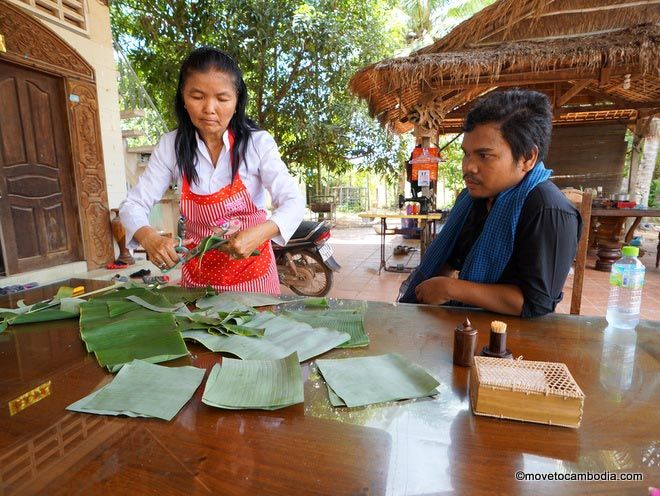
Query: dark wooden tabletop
{"x": 625, "y": 212}
{"x": 429, "y": 446}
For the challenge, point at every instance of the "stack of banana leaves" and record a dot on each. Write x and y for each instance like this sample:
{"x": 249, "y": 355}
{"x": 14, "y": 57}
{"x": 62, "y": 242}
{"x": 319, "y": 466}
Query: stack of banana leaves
{"x": 126, "y": 322}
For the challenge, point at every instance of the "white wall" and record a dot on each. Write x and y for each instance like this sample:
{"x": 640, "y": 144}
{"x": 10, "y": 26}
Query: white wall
{"x": 96, "y": 49}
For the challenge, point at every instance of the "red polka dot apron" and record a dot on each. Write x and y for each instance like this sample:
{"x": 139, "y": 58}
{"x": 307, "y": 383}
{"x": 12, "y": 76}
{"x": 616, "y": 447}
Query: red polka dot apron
{"x": 204, "y": 214}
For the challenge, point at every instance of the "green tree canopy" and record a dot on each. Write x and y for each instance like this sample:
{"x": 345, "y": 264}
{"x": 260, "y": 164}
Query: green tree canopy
{"x": 297, "y": 58}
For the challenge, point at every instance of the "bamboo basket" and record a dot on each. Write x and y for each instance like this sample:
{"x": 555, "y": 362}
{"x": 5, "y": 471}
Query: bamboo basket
{"x": 541, "y": 392}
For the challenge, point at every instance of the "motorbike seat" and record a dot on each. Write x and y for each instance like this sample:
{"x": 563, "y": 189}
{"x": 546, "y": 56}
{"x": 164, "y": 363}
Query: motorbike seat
{"x": 305, "y": 228}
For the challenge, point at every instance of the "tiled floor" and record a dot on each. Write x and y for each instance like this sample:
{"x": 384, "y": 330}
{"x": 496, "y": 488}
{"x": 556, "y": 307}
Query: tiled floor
{"x": 358, "y": 251}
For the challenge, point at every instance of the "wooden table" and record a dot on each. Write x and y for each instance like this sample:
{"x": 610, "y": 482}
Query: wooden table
{"x": 427, "y": 234}
{"x": 608, "y": 223}
{"x": 428, "y": 446}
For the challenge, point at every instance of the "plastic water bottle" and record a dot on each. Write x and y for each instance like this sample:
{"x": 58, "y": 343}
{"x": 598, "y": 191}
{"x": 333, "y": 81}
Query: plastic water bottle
{"x": 617, "y": 363}
{"x": 626, "y": 282}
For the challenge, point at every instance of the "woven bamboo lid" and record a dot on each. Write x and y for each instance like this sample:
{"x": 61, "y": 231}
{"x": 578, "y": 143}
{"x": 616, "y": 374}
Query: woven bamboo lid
{"x": 526, "y": 376}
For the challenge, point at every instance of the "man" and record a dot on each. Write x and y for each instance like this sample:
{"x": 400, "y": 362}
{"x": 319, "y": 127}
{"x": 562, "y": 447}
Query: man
{"x": 512, "y": 235}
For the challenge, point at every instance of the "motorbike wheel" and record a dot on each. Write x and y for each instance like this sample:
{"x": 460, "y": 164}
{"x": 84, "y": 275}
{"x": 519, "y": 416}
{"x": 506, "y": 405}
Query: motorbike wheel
{"x": 315, "y": 278}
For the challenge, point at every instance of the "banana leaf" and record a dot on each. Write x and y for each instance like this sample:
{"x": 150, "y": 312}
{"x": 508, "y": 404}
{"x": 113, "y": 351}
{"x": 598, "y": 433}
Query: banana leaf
{"x": 243, "y": 330}
{"x": 247, "y": 348}
{"x": 282, "y": 336}
{"x": 227, "y": 324}
{"x": 222, "y": 304}
{"x": 154, "y": 308}
{"x": 120, "y": 302}
{"x": 177, "y": 294}
{"x": 141, "y": 389}
{"x": 59, "y": 307}
{"x": 120, "y": 307}
{"x": 244, "y": 298}
{"x": 139, "y": 333}
{"x": 149, "y": 295}
{"x": 255, "y": 384}
{"x": 317, "y": 302}
{"x": 43, "y": 316}
{"x": 375, "y": 379}
{"x": 66, "y": 308}
{"x": 184, "y": 324}
{"x": 347, "y": 321}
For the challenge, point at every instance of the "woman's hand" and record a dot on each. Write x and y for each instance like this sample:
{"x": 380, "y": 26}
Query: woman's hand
{"x": 243, "y": 243}
{"x": 160, "y": 249}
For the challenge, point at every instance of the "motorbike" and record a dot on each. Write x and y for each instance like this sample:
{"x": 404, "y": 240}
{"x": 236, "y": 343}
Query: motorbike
{"x": 306, "y": 265}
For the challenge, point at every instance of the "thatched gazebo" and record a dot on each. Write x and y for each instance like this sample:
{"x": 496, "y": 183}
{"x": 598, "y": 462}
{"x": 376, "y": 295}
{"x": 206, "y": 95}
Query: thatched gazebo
{"x": 597, "y": 60}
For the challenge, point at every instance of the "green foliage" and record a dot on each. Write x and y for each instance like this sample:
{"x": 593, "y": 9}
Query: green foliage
{"x": 297, "y": 58}
{"x": 466, "y": 9}
{"x": 653, "y": 193}
{"x": 450, "y": 170}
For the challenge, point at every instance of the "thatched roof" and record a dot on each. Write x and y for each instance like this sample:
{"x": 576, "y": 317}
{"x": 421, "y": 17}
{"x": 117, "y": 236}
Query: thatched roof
{"x": 596, "y": 59}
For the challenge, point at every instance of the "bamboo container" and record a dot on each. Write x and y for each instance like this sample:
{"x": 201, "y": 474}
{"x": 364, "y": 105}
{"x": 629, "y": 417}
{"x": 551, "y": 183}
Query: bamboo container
{"x": 540, "y": 392}
{"x": 497, "y": 341}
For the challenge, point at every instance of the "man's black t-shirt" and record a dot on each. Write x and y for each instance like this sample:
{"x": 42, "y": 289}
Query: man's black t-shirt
{"x": 544, "y": 246}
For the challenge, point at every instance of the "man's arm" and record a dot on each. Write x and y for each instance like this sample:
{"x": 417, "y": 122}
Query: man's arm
{"x": 501, "y": 298}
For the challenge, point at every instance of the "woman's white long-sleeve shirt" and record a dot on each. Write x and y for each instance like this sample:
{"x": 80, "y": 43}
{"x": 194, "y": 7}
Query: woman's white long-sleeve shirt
{"x": 265, "y": 169}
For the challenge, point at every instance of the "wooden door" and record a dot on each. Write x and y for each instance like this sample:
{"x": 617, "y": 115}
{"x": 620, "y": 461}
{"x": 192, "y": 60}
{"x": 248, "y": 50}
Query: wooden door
{"x": 37, "y": 203}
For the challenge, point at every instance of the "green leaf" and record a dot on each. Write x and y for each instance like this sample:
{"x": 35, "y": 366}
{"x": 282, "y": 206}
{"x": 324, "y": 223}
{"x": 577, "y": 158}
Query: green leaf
{"x": 177, "y": 294}
{"x": 145, "y": 390}
{"x": 348, "y": 321}
{"x": 282, "y": 336}
{"x": 243, "y": 330}
{"x": 317, "y": 302}
{"x": 43, "y": 316}
{"x": 139, "y": 333}
{"x": 376, "y": 379}
{"x": 153, "y": 308}
{"x": 255, "y": 384}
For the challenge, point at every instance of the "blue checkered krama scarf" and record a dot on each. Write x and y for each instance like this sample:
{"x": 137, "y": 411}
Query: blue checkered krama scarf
{"x": 494, "y": 246}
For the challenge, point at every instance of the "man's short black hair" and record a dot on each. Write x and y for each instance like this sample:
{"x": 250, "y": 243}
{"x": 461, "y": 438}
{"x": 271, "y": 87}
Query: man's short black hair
{"x": 524, "y": 117}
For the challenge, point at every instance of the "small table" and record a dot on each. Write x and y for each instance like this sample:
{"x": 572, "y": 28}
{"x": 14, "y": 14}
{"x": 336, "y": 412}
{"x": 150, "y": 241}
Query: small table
{"x": 427, "y": 234}
{"x": 608, "y": 225}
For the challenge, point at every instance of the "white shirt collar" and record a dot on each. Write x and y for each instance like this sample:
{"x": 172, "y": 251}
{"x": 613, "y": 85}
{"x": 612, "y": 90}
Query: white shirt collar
{"x": 201, "y": 146}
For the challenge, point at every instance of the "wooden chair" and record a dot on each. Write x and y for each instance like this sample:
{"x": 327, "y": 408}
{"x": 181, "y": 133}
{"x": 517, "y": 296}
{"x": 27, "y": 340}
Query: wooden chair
{"x": 582, "y": 201}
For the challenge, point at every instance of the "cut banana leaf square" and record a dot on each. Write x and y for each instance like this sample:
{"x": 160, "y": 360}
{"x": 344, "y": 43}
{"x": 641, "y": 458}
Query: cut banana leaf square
{"x": 145, "y": 390}
{"x": 255, "y": 384}
{"x": 376, "y": 379}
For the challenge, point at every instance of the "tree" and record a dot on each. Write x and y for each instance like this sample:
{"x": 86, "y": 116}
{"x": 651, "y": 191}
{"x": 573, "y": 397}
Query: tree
{"x": 297, "y": 58}
{"x": 450, "y": 169}
{"x": 642, "y": 173}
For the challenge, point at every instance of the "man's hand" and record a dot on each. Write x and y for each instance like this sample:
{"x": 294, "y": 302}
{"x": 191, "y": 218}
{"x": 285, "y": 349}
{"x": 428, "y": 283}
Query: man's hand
{"x": 501, "y": 298}
{"x": 243, "y": 243}
{"x": 435, "y": 291}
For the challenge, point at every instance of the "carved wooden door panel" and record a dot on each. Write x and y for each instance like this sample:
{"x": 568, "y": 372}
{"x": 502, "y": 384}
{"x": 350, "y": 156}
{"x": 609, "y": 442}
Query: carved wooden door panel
{"x": 37, "y": 205}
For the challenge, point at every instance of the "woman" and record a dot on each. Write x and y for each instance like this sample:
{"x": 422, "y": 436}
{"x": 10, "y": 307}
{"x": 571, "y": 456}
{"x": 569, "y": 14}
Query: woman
{"x": 223, "y": 164}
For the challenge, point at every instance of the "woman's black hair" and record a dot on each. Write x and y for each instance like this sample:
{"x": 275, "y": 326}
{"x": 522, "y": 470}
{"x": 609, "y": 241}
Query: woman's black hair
{"x": 203, "y": 60}
{"x": 524, "y": 117}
